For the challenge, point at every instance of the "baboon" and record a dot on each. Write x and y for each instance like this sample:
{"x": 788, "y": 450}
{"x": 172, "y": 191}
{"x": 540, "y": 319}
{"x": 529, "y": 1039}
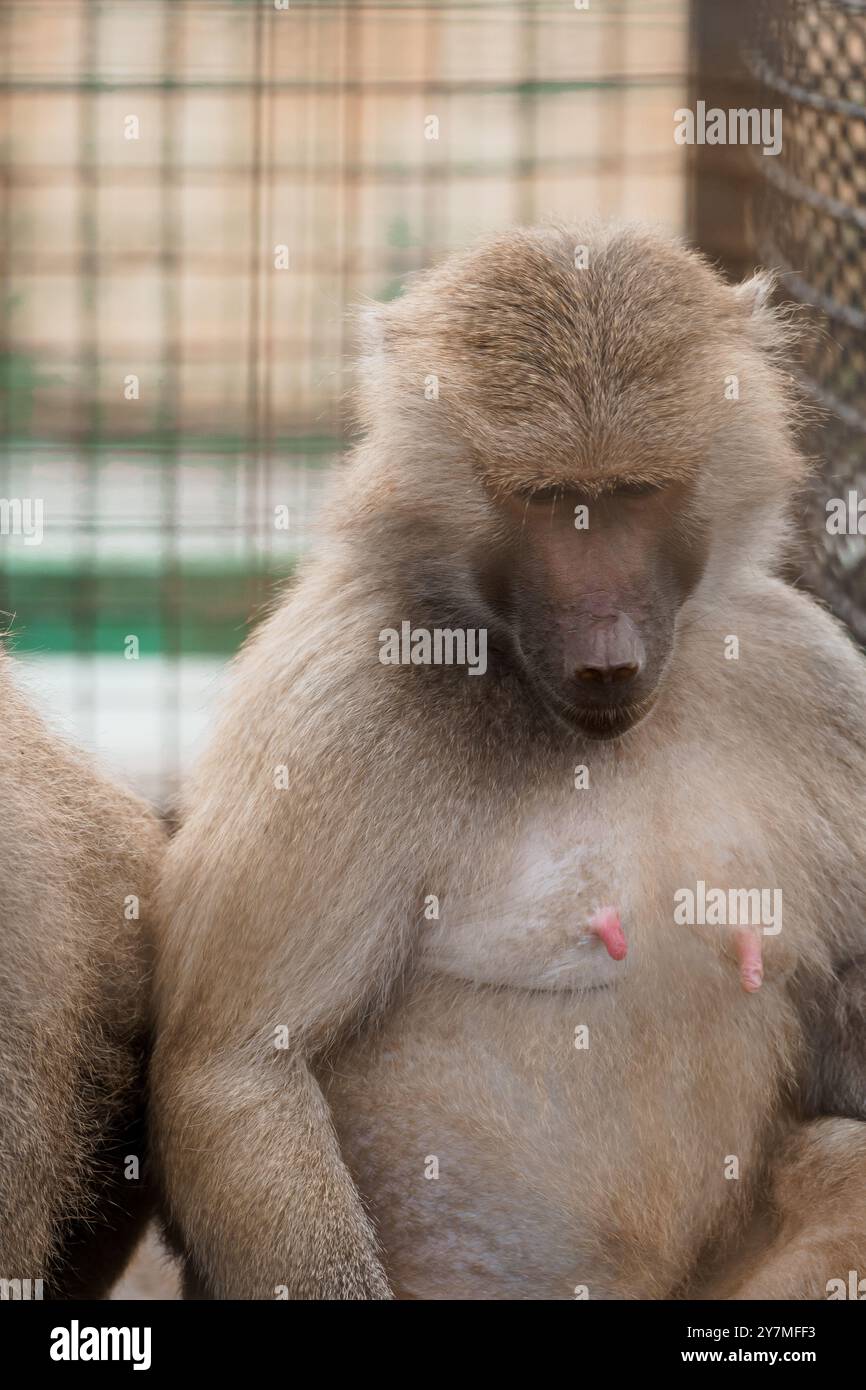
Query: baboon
{"x": 79, "y": 860}
{"x": 428, "y": 1024}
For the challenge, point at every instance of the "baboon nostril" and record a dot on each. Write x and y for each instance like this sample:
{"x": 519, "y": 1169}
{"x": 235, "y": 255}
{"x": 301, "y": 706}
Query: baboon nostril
{"x": 589, "y": 673}
{"x": 604, "y": 653}
{"x": 608, "y": 675}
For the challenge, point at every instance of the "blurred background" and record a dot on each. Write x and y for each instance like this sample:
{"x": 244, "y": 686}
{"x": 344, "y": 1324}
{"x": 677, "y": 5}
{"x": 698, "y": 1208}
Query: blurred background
{"x": 195, "y": 195}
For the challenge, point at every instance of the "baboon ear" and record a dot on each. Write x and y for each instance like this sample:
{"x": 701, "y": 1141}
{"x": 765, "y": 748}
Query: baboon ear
{"x": 767, "y": 323}
{"x": 755, "y": 293}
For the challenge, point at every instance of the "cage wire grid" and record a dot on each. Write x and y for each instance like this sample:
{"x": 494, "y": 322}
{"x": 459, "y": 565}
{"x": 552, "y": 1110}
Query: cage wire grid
{"x": 809, "y": 216}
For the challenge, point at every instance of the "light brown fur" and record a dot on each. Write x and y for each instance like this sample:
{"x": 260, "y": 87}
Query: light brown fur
{"x": 73, "y": 1001}
{"x": 304, "y": 908}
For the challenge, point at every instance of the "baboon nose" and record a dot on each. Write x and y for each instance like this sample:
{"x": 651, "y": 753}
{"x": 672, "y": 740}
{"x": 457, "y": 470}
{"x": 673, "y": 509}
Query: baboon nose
{"x": 604, "y": 655}
{"x": 616, "y": 674}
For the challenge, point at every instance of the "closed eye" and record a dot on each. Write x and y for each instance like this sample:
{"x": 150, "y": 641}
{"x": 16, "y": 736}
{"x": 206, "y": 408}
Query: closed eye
{"x": 625, "y": 487}
{"x": 541, "y": 494}
{"x": 629, "y": 488}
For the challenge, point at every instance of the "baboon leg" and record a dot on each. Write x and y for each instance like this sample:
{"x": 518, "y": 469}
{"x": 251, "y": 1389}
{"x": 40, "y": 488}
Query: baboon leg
{"x": 819, "y": 1203}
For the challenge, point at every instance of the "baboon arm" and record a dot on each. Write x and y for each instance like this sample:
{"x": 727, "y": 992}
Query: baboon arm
{"x": 255, "y": 1186}
{"x": 283, "y": 931}
{"x": 256, "y": 1190}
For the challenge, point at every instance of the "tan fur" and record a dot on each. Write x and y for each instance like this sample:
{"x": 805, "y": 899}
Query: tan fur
{"x": 73, "y": 1002}
{"x": 304, "y": 908}
{"x": 814, "y": 1229}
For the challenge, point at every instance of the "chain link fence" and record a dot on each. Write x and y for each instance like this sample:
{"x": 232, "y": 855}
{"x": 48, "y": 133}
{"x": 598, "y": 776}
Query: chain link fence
{"x": 808, "y": 58}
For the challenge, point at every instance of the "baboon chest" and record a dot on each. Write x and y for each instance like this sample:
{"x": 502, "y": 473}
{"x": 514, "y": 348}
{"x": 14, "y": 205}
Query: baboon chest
{"x": 530, "y": 1097}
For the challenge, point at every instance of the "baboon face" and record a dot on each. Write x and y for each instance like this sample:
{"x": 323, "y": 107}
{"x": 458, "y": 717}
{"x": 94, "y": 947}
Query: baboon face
{"x": 597, "y": 576}
{"x": 597, "y": 423}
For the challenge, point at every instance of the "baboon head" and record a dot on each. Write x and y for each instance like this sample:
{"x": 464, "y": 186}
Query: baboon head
{"x": 572, "y": 429}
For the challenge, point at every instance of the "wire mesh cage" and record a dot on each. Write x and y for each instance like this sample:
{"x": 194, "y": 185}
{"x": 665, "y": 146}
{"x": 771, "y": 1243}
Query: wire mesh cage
{"x": 808, "y": 58}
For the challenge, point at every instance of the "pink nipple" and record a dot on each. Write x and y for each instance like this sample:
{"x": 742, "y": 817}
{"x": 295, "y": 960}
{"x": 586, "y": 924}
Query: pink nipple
{"x": 605, "y": 924}
{"x": 747, "y": 944}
